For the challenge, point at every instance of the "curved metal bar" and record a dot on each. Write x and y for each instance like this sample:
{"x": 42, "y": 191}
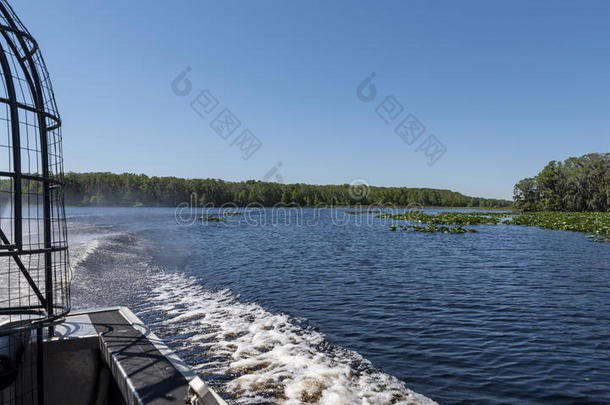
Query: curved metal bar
{"x": 15, "y": 254}
{"x": 25, "y": 35}
{"x": 34, "y": 178}
{"x": 37, "y": 111}
{"x": 31, "y": 75}
{"x": 10, "y": 88}
{"x": 43, "y": 321}
{"x": 34, "y": 251}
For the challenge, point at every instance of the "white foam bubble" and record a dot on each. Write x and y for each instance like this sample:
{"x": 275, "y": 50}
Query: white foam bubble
{"x": 268, "y": 357}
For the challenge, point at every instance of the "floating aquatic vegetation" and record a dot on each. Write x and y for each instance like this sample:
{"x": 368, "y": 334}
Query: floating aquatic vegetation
{"x": 212, "y": 218}
{"x": 231, "y": 213}
{"x": 444, "y": 218}
{"x": 364, "y": 212}
{"x": 441, "y": 229}
{"x": 597, "y": 224}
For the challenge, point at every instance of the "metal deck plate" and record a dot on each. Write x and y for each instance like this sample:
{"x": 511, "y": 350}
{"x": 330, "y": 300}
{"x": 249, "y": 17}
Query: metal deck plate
{"x": 143, "y": 373}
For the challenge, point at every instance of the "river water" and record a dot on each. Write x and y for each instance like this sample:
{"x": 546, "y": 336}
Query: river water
{"x": 316, "y": 306}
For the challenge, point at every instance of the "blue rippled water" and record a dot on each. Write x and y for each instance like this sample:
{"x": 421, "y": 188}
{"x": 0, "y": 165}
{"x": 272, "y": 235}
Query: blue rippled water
{"x": 507, "y": 315}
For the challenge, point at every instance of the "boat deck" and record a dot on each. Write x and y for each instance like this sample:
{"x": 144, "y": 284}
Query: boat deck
{"x": 142, "y": 371}
{"x": 108, "y": 356}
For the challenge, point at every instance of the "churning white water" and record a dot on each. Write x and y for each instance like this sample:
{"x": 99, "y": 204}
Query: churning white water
{"x": 268, "y": 356}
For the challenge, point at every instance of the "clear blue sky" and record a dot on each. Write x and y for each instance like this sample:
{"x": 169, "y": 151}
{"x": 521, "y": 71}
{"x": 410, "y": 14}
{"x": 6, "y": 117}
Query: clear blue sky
{"x": 505, "y": 86}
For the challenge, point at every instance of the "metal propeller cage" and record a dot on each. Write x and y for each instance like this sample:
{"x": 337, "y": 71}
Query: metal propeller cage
{"x": 34, "y": 266}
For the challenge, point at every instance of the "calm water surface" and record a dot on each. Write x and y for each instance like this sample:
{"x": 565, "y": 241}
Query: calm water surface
{"x": 507, "y": 315}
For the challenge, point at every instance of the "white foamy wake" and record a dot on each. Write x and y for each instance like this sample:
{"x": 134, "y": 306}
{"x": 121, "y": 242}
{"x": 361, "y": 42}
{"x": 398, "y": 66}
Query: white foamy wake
{"x": 79, "y": 252}
{"x": 84, "y": 239}
{"x": 267, "y": 357}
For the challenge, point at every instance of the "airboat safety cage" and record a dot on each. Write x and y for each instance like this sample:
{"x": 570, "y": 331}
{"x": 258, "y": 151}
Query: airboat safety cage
{"x": 108, "y": 353}
{"x": 34, "y": 267}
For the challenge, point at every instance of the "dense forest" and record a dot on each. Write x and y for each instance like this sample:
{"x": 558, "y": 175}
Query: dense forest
{"x": 108, "y": 189}
{"x": 576, "y": 184}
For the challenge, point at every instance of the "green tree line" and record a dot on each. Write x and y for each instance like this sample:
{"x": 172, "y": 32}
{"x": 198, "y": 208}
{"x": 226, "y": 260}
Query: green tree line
{"x": 108, "y": 189}
{"x": 576, "y": 184}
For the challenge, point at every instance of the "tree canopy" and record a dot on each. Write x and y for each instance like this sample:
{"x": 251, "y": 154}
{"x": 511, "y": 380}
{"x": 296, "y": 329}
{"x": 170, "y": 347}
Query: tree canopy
{"x": 108, "y": 189}
{"x": 576, "y": 184}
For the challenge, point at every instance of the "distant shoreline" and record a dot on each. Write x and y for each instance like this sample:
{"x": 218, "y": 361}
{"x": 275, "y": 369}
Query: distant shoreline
{"x": 362, "y": 207}
{"x": 127, "y": 189}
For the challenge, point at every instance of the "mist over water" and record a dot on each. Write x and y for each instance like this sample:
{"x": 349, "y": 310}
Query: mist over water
{"x": 282, "y": 313}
